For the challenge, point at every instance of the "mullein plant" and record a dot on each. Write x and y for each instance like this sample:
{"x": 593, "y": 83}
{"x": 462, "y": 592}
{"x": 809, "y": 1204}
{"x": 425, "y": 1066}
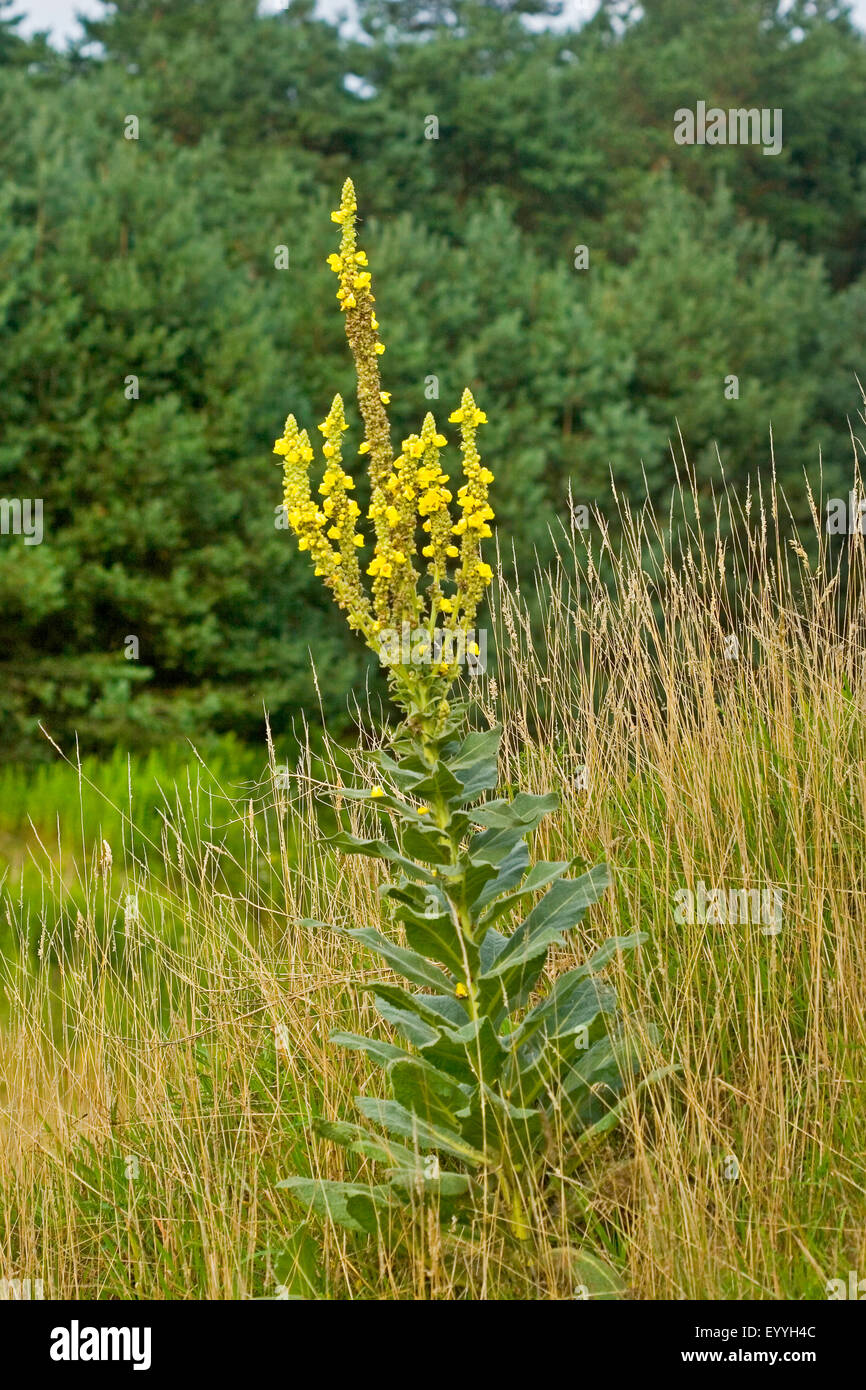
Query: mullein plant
{"x": 495, "y": 1065}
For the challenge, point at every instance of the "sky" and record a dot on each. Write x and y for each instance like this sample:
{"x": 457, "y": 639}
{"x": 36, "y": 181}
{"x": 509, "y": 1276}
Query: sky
{"x": 58, "y": 16}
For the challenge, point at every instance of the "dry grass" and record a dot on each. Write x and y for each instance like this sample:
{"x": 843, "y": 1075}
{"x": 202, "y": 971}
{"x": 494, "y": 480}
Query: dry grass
{"x": 157, "y": 1077}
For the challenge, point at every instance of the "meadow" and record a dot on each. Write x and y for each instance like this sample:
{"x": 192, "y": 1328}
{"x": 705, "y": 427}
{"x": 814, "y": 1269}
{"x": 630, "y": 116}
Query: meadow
{"x": 165, "y": 1011}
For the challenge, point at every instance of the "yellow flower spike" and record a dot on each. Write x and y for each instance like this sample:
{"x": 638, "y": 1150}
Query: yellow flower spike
{"x": 473, "y": 576}
{"x": 337, "y": 566}
{"x": 357, "y": 304}
{"x": 433, "y": 506}
{"x": 408, "y": 494}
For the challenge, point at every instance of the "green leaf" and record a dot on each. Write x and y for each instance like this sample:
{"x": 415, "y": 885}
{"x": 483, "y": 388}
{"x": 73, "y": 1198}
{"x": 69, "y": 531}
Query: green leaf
{"x": 476, "y": 763}
{"x": 481, "y": 1045}
{"x": 446, "y": 1187}
{"x": 405, "y": 774}
{"x": 428, "y": 844}
{"x": 492, "y": 946}
{"x": 611, "y": 947}
{"x": 561, "y": 908}
{"x": 429, "y": 1093}
{"x": 419, "y": 1025}
{"x": 510, "y": 872}
{"x": 493, "y": 846}
{"x": 525, "y": 811}
{"x": 355, "y": 1206}
{"x": 605, "y": 1065}
{"x": 545, "y": 1040}
{"x": 433, "y": 1024}
{"x": 593, "y": 1277}
{"x": 419, "y": 1017}
{"x": 574, "y": 1002}
{"x": 440, "y": 785}
{"x": 492, "y": 1120}
{"x": 408, "y": 963}
{"x": 296, "y": 1267}
{"x": 475, "y": 879}
{"x": 438, "y": 939}
{"x": 396, "y": 1119}
{"x": 541, "y": 875}
{"x": 379, "y": 849}
{"x": 381, "y": 1052}
{"x": 360, "y": 1141}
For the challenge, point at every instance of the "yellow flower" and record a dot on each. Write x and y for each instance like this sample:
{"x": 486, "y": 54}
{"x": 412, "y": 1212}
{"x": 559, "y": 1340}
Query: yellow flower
{"x": 423, "y": 810}
{"x": 338, "y": 566}
{"x": 408, "y": 494}
{"x": 376, "y": 791}
{"x": 461, "y": 991}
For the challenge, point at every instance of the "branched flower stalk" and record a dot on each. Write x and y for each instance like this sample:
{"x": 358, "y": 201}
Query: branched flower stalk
{"x": 493, "y": 1062}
